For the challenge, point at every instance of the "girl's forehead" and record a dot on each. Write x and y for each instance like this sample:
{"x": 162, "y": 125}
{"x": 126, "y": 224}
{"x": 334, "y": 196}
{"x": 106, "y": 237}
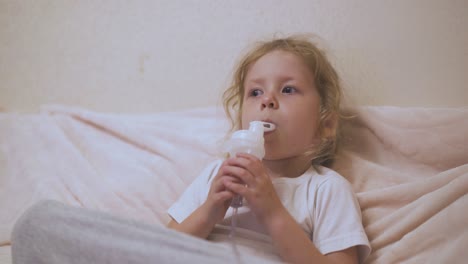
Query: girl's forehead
{"x": 280, "y": 63}
{"x": 280, "y": 54}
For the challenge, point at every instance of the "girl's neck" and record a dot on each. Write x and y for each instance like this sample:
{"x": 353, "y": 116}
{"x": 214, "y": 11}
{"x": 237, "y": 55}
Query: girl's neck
{"x": 289, "y": 168}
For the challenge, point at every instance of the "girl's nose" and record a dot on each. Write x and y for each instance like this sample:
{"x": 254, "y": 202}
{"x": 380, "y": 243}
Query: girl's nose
{"x": 269, "y": 102}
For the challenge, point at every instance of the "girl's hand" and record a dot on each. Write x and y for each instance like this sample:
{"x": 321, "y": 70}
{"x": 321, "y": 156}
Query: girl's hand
{"x": 219, "y": 197}
{"x": 201, "y": 222}
{"x": 255, "y": 186}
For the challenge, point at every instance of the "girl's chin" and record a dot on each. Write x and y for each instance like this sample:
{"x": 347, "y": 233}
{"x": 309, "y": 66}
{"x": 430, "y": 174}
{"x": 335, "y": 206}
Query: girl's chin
{"x": 272, "y": 157}
{"x": 283, "y": 156}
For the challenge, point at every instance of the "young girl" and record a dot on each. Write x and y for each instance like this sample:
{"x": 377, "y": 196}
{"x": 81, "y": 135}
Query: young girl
{"x": 308, "y": 211}
{"x": 295, "y": 209}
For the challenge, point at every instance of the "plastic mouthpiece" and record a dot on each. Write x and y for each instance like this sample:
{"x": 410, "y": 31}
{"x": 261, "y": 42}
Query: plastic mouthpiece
{"x": 267, "y": 127}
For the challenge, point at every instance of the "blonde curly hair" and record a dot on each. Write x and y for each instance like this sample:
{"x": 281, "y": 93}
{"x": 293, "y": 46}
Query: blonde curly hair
{"x": 326, "y": 79}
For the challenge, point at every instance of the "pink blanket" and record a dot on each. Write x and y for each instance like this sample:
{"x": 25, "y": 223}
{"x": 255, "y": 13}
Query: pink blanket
{"x": 409, "y": 168}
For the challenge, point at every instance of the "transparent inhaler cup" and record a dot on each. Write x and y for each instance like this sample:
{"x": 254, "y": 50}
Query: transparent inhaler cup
{"x": 248, "y": 141}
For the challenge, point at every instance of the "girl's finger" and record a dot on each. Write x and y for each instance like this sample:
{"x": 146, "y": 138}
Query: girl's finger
{"x": 242, "y": 175}
{"x": 223, "y": 196}
{"x": 237, "y": 188}
{"x": 217, "y": 184}
{"x": 247, "y": 162}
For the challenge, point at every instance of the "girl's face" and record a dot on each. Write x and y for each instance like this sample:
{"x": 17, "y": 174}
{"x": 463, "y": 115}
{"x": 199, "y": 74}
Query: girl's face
{"x": 280, "y": 88}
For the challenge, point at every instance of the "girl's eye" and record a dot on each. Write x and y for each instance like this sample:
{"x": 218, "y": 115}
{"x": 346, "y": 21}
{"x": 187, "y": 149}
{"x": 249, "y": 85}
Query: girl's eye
{"x": 255, "y": 92}
{"x": 289, "y": 90}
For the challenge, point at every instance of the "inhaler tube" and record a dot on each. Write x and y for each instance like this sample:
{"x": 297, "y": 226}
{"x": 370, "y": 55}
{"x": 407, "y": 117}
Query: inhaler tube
{"x": 237, "y": 201}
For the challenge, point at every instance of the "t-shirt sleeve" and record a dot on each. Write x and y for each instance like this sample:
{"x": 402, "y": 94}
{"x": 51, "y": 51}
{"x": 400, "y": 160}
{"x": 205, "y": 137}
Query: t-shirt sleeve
{"x": 195, "y": 195}
{"x": 337, "y": 219}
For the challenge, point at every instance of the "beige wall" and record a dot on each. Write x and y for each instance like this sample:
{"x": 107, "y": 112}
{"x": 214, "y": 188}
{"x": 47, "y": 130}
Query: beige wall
{"x": 141, "y": 56}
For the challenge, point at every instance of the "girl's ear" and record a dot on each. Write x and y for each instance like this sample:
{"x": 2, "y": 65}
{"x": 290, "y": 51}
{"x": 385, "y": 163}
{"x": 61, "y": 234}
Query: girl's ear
{"x": 329, "y": 126}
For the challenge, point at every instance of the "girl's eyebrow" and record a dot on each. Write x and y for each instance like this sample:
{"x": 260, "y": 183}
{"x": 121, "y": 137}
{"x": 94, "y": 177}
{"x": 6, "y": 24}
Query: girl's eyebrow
{"x": 255, "y": 81}
{"x": 281, "y": 79}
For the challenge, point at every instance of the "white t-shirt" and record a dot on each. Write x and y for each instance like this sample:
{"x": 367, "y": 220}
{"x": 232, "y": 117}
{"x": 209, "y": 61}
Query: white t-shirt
{"x": 323, "y": 204}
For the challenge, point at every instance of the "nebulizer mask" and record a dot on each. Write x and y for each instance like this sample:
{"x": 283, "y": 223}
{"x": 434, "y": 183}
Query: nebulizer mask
{"x": 249, "y": 141}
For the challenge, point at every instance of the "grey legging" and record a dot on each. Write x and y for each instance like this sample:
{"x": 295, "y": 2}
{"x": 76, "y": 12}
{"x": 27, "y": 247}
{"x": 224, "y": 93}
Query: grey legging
{"x": 51, "y": 232}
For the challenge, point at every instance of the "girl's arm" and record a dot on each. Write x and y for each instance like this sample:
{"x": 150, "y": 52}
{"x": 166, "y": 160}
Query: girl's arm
{"x": 202, "y": 221}
{"x": 198, "y": 224}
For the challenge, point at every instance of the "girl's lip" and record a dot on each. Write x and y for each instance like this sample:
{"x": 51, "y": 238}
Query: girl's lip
{"x": 268, "y": 121}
